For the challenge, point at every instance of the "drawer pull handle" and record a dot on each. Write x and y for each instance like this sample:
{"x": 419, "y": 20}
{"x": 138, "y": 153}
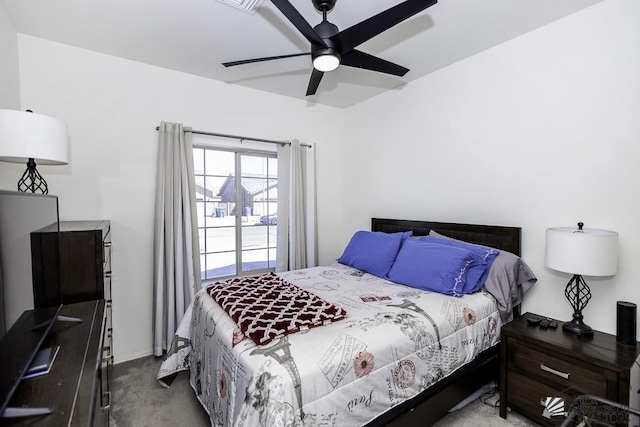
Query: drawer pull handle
{"x": 554, "y": 372}
{"x": 108, "y": 405}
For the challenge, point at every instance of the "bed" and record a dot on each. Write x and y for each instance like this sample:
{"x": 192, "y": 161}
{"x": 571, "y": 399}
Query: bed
{"x": 400, "y": 356}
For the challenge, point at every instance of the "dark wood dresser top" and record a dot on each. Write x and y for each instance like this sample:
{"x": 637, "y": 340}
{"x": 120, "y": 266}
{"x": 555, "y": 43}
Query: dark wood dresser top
{"x": 70, "y": 386}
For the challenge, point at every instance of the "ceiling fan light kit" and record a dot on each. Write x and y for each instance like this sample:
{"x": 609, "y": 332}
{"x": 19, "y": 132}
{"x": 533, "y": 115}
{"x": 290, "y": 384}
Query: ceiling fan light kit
{"x": 326, "y": 63}
{"x": 331, "y": 47}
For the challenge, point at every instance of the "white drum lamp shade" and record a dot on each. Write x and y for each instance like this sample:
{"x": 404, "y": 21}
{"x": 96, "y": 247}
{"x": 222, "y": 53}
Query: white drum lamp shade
{"x": 31, "y": 139}
{"x": 590, "y": 252}
{"x": 581, "y": 252}
{"x": 25, "y": 136}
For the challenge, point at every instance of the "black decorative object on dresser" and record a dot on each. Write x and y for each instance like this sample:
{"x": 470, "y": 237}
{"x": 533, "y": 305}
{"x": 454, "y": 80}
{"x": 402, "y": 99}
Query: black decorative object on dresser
{"x": 85, "y": 262}
{"x": 539, "y": 362}
{"x": 76, "y": 389}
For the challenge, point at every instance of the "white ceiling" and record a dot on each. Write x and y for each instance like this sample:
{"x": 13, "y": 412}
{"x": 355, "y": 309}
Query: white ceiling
{"x": 196, "y": 36}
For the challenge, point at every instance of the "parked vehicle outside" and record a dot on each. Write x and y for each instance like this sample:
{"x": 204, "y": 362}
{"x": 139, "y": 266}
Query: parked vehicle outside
{"x": 269, "y": 219}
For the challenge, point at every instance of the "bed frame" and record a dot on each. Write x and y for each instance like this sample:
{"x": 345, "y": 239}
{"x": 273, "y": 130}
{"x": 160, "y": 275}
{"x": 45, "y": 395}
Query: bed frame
{"x": 433, "y": 403}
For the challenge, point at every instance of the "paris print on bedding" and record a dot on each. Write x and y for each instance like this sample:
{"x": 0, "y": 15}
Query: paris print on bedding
{"x": 394, "y": 342}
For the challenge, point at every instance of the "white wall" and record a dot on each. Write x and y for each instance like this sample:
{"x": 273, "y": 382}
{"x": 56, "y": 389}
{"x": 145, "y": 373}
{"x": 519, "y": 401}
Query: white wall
{"x": 9, "y": 81}
{"x": 541, "y": 131}
{"x": 112, "y": 107}
{"x": 9, "y": 87}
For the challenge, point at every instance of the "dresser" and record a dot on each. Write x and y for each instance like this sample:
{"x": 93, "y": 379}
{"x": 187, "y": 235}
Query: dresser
{"x": 537, "y": 363}
{"x": 74, "y": 389}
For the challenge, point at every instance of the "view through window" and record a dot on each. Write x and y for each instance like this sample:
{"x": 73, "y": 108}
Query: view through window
{"x": 237, "y": 218}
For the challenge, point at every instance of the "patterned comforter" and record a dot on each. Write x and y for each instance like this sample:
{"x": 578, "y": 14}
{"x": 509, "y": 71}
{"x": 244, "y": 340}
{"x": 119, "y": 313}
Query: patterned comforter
{"x": 394, "y": 343}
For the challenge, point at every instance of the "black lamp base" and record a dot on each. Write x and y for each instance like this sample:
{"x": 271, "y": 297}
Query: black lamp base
{"x": 577, "y": 327}
{"x": 31, "y": 181}
{"x": 578, "y": 294}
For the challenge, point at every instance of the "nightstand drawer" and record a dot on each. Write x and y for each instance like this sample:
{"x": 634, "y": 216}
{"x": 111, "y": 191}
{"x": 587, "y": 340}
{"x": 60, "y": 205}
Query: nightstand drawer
{"x": 558, "y": 369}
{"x": 531, "y": 397}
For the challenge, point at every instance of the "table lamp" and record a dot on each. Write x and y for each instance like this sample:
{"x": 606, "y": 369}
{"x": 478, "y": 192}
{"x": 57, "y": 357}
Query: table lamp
{"x": 30, "y": 138}
{"x": 581, "y": 252}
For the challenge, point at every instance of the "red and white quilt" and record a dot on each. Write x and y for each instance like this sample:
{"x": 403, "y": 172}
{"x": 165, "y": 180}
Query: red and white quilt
{"x": 268, "y": 307}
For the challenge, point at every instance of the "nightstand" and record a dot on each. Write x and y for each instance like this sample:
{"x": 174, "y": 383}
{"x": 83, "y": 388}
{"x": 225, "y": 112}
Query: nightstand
{"x": 537, "y": 363}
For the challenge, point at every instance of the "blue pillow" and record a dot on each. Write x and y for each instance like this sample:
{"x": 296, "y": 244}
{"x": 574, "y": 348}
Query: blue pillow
{"x": 432, "y": 267}
{"x": 373, "y": 251}
{"x": 404, "y": 235}
{"x": 479, "y": 272}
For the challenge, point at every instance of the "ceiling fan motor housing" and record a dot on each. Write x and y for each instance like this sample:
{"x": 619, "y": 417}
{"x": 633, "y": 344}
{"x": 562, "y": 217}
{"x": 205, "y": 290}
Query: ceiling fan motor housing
{"x": 326, "y": 30}
{"x": 324, "y": 5}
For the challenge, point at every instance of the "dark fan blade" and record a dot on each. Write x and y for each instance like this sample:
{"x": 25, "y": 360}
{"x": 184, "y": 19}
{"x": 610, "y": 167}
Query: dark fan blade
{"x": 314, "y": 82}
{"x": 266, "y": 58}
{"x": 300, "y": 23}
{"x": 369, "y": 28}
{"x": 359, "y": 59}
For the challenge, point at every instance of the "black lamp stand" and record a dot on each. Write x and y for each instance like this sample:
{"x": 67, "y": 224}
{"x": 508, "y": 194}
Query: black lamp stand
{"x": 578, "y": 294}
{"x": 31, "y": 180}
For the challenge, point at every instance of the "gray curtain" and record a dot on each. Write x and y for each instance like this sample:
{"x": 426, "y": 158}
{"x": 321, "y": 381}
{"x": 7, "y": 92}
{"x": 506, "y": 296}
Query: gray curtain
{"x": 176, "y": 253}
{"x": 297, "y": 245}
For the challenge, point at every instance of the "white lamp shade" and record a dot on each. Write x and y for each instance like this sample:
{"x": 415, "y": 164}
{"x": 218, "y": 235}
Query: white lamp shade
{"x": 589, "y": 252}
{"x": 25, "y": 135}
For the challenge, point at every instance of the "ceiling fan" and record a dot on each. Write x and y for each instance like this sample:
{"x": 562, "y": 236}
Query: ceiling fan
{"x": 331, "y": 47}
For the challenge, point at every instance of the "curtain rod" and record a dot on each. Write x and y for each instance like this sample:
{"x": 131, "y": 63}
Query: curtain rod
{"x": 241, "y": 138}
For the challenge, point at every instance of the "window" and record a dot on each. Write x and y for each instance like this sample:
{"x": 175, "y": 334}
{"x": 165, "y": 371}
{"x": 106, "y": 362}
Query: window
{"x": 237, "y": 218}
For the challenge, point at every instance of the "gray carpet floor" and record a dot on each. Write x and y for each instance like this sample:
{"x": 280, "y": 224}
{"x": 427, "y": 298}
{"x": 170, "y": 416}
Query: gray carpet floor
{"x": 140, "y": 401}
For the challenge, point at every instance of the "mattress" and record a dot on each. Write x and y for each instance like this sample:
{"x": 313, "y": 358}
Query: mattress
{"x": 394, "y": 343}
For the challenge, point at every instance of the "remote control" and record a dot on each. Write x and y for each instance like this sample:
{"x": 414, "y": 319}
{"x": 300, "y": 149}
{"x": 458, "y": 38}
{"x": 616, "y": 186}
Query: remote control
{"x": 553, "y": 324}
{"x": 544, "y": 323}
{"x": 533, "y": 319}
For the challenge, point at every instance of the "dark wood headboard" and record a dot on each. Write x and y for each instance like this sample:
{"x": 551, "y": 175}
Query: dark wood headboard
{"x": 499, "y": 237}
